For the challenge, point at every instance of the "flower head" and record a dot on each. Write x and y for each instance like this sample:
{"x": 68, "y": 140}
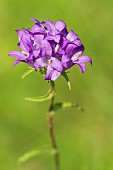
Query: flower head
{"x": 50, "y": 46}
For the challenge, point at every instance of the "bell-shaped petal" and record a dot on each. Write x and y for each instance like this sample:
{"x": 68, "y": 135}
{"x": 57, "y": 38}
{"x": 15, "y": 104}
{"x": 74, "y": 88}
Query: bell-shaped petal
{"x": 19, "y": 55}
{"x": 35, "y": 20}
{"x": 71, "y": 48}
{"x": 38, "y": 39}
{"x": 83, "y": 59}
{"x": 66, "y": 62}
{"x": 38, "y": 29}
{"x": 46, "y": 48}
{"x": 60, "y": 25}
{"x": 55, "y": 75}
{"x": 41, "y": 62}
{"x": 56, "y": 38}
{"x": 20, "y": 33}
{"x": 71, "y": 36}
{"x": 65, "y": 58}
{"x": 15, "y": 53}
{"x": 51, "y": 74}
{"x": 77, "y": 42}
{"x": 48, "y": 73}
{"x": 82, "y": 67}
{"x": 50, "y": 27}
{"x": 56, "y": 64}
{"x": 36, "y": 53}
{"x": 75, "y": 57}
{"x": 36, "y": 66}
{"x": 16, "y": 62}
{"x": 25, "y": 44}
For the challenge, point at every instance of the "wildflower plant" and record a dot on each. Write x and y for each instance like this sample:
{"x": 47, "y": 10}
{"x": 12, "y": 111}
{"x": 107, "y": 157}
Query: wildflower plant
{"x": 50, "y": 49}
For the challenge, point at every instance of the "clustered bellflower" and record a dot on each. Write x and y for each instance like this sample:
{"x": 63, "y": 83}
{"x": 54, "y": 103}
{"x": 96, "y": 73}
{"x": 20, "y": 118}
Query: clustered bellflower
{"x": 51, "y": 47}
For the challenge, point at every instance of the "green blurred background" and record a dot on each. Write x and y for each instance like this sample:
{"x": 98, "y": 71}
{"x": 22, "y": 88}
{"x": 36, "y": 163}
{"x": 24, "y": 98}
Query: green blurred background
{"x": 85, "y": 140}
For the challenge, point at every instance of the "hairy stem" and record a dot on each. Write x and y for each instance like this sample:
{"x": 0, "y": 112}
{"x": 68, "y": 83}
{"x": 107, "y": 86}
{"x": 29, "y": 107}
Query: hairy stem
{"x": 51, "y": 131}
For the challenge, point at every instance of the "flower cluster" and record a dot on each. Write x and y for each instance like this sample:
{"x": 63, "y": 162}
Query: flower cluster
{"x": 51, "y": 47}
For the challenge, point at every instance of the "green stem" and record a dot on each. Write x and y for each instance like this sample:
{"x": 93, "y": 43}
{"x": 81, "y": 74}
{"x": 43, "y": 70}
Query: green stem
{"x": 51, "y": 131}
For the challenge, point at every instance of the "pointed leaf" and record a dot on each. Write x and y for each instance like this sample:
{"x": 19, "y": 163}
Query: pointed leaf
{"x": 27, "y": 72}
{"x": 64, "y": 74}
{"x": 62, "y": 105}
{"x": 40, "y": 98}
{"x": 30, "y": 154}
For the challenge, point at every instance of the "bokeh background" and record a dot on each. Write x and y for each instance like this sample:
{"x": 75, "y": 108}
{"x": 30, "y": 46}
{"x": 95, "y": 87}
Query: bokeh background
{"x": 85, "y": 139}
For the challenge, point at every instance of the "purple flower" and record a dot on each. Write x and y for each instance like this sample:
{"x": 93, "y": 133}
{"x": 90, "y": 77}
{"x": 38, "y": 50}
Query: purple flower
{"x": 74, "y": 56}
{"x": 54, "y": 31}
{"x": 50, "y": 46}
{"x": 53, "y": 65}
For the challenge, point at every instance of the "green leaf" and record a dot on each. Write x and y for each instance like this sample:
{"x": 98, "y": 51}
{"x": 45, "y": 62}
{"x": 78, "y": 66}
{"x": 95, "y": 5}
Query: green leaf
{"x": 31, "y": 154}
{"x": 40, "y": 98}
{"x": 64, "y": 74}
{"x": 63, "y": 105}
{"x": 27, "y": 72}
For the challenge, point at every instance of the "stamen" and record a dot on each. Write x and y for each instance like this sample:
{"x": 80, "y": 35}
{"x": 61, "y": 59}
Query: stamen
{"x": 49, "y": 61}
{"x": 74, "y": 57}
{"x": 24, "y": 52}
{"x": 56, "y": 48}
{"x": 34, "y": 43}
